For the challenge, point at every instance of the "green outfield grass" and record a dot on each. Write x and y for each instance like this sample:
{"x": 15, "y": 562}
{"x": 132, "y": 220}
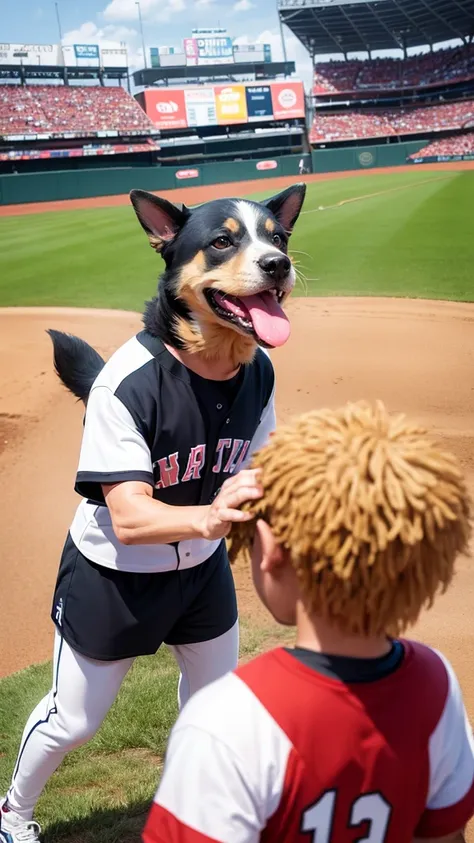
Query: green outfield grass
{"x": 412, "y": 238}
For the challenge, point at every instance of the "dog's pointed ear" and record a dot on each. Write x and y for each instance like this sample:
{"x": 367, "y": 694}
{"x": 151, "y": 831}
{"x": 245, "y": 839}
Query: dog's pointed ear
{"x": 161, "y": 219}
{"x": 286, "y": 206}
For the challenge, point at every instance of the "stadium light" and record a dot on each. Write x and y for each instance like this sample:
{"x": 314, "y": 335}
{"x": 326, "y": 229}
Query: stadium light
{"x": 282, "y": 36}
{"x": 137, "y": 3}
{"x": 59, "y": 23}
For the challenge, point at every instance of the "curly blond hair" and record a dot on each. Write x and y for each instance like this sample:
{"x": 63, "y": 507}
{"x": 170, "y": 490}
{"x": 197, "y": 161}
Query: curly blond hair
{"x": 370, "y": 510}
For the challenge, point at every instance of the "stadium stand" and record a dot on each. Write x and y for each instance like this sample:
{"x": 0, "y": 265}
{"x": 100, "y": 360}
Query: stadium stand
{"x": 424, "y": 95}
{"x": 450, "y": 65}
{"x": 447, "y": 147}
{"x": 384, "y": 122}
{"x": 59, "y": 109}
{"x": 222, "y": 110}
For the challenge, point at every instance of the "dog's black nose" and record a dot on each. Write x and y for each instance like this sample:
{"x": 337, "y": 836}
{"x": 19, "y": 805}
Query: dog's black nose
{"x": 276, "y": 266}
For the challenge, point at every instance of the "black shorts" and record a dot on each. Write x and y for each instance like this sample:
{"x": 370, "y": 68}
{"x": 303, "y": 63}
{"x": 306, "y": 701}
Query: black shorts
{"x": 108, "y": 615}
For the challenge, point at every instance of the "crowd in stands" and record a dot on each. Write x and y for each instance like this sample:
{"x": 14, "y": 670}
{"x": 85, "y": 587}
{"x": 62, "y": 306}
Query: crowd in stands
{"x": 455, "y": 145}
{"x": 448, "y": 65}
{"x": 55, "y": 109}
{"x": 383, "y": 122}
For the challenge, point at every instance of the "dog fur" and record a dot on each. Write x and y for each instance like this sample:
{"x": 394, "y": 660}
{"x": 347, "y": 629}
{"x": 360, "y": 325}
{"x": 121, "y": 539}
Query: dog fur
{"x": 221, "y": 250}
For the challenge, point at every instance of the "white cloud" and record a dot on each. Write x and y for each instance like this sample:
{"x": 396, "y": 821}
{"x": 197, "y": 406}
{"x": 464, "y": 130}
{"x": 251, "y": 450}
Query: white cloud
{"x": 151, "y": 10}
{"x": 243, "y": 5}
{"x": 108, "y": 37}
{"x": 294, "y": 51}
{"x": 204, "y": 4}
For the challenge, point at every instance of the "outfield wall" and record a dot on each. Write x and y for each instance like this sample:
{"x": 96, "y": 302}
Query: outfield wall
{"x": 79, "y": 184}
{"x": 364, "y": 157}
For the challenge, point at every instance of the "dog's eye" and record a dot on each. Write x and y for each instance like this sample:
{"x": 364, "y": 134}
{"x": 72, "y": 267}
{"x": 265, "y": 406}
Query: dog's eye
{"x": 222, "y": 243}
{"x": 277, "y": 241}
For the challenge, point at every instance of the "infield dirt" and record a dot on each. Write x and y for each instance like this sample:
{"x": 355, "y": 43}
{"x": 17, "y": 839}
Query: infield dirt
{"x": 417, "y": 356}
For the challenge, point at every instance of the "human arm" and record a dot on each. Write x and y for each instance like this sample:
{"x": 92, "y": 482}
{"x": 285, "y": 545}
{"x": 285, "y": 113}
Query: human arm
{"x": 115, "y": 467}
{"x": 139, "y": 519}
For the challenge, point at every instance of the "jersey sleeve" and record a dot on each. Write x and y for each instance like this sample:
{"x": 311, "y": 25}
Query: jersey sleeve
{"x": 205, "y": 795}
{"x": 224, "y": 771}
{"x": 450, "y": 802}
{"x": 113, "y": 448}
{"x": 264, "y": 430}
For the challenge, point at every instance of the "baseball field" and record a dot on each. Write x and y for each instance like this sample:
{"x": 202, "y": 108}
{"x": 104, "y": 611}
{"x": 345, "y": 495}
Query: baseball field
{"x": 384, "y": 308}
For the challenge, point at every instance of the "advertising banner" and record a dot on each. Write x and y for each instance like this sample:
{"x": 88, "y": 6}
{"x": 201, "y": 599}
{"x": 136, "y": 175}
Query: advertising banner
{"x": 288, "y": 100}
{"x": 191, "y": 51}
{"x": 201, "y": 107}
{"x": 267, "y": 165}
{"x": 166, "y": 108}
{"x": 259, "y": 103}
{"x": 86, "y": 51}
{"x": 223, "y": 105}
{"x": 81, "y": 55}
{"x": 231, "y": 104}
{"x": 215, "y": 50}
{"x": 187, "y": 174}
{"x": 440, "y": 159}
{"x": 43, "y": 55}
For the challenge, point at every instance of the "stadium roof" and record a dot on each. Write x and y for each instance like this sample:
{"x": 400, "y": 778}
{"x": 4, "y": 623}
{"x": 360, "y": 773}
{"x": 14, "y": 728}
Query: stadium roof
{"x": 262, "y": 70}
{"x": 347, "y": 26}
{"x": 49, "y": 72}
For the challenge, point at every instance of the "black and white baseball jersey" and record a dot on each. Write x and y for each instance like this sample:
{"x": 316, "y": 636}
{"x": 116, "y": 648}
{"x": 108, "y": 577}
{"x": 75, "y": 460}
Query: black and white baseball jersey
{"x": 151, "y": 419}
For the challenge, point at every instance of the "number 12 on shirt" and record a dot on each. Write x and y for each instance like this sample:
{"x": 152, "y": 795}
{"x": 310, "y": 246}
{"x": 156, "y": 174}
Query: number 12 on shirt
{"x": 371, "y": 808}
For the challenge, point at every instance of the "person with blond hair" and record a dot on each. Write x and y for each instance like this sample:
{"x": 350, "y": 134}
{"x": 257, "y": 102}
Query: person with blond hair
{"x": 355, "y": 733}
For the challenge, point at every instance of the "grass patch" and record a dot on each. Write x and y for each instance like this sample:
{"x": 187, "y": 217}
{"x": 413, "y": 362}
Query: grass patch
{"x": 409, "y": 236}
{"x": 103, "y": 790}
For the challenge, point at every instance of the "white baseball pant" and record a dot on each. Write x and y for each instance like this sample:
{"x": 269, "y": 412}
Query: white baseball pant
{"x": 83, "y": 692}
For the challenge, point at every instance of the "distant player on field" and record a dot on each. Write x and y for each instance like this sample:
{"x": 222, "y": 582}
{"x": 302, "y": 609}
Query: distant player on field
{"x": 354, "y": 734}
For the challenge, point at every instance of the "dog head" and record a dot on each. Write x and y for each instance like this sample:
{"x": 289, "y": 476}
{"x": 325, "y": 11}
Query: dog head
{"x": 227, "y": 265}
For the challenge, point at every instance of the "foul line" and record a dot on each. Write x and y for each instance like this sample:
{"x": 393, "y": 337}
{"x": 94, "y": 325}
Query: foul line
{"x": 372, "y": 195}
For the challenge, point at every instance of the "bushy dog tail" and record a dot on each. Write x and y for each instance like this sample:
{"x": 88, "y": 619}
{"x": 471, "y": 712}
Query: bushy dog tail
{"x": 77, "y": 364}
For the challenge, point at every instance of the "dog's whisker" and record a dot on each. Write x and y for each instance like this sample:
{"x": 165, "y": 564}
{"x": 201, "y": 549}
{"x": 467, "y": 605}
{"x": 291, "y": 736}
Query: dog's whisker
{"x": 299, "y": 264}
{"x": 302, "y": 276}
{"x": 302, "y": 281}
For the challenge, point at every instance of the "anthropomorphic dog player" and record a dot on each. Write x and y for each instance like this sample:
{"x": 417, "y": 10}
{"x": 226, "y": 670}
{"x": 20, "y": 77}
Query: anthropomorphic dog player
{"x": 354, "y": 734}
{"x": 171, "y": 421}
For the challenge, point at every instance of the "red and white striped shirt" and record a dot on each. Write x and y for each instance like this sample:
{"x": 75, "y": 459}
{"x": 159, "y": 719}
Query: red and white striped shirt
{"x": 278, "y": 751}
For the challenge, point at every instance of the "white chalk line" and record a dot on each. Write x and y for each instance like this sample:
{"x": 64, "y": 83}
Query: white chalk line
{"x": 372, "y": 195}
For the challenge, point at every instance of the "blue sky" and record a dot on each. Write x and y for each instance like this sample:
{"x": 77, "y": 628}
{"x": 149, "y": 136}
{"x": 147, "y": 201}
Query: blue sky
{"x": 166, "y": 22}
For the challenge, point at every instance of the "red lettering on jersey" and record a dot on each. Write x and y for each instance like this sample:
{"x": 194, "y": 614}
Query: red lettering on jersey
{"x": 242, "y": 456}
{"x": 169, "y": 471}
{"x": 231, "y": 462}
{"x": 196, "y": 461}
{"x": 222, "y": 443}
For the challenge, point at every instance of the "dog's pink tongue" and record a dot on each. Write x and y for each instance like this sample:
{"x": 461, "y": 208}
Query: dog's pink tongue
{"x": 268, "y": 318}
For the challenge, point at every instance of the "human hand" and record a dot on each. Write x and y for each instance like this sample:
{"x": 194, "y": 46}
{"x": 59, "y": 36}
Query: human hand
{"x": 224, "y": 511}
